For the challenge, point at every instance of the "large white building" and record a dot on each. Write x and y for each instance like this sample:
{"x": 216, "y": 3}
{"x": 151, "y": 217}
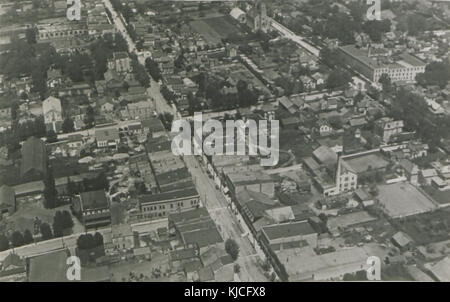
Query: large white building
{"x": 372, "y": 63}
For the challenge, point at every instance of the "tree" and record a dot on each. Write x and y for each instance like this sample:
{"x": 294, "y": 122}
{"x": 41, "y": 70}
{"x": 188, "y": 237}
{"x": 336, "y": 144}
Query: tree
{"x": 46, "y": 231}
{"x": 68, "y": 125}
{"x": 386, "y": 83}
{"x": 232, "y": 248}
{"x": 30, "y": 35}
{"x": 167, "y": 119}
{"x": 17, "y": 239}
{"x": 436, "y": 73}
{"x": 51, "y": 136}
{"x": 4, "y": 243}
{"x": 61, "y": 221}
{"x": 90, "y": 117}
{"x": 153, "y": 69}
{"x": 338, "y": 78}
{"x": 50, "y": 193}
{"x": 27, "y": 237}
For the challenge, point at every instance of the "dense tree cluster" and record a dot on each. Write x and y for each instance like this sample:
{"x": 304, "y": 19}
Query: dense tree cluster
{"x": 139, "y": 72}
{"x": 436, "y": 73}
{"x": 61, "y": 221}
{"x": 413, "y": 109}
{"x": 153, "y": 68}
{"x": 89, "y": 241}
{"x": 50, "y": 193}
{"x": 232, "y": 248}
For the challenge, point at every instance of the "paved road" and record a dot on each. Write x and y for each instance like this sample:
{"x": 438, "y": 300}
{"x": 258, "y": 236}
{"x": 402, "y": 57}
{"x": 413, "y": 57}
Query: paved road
{"x": 154, "y": 90}
{"x": 227, "y": 222}
{"x": 215, "y": 201}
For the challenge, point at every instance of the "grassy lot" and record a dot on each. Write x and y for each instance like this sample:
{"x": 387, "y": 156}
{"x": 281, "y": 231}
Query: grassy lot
{"x": 426, "y": 228}
{"x": 441, "y": 197}
{"x": 403, "y": 199}
{"x": 213, "y": 30}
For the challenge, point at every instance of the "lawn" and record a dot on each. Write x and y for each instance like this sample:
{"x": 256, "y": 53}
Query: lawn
{"x": 213, "y": 30}
{"x": 426, "y": 228}
{"x": 441, "y": 197}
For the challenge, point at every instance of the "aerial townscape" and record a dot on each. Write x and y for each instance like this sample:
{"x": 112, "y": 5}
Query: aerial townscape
{"x": 92, "y": 190}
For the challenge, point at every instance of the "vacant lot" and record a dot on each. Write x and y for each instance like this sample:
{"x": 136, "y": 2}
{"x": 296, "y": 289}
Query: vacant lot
{"x": 441, "y": 197}
{"x": 213, "y": 30}
{"x": 427, "y": 228}
{"x": 403, "y": 199}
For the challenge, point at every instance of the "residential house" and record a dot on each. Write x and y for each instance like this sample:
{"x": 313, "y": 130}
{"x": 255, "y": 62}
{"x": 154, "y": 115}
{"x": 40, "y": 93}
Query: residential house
{"x": 387, "y": 127}
{"x": 140, "y": 110}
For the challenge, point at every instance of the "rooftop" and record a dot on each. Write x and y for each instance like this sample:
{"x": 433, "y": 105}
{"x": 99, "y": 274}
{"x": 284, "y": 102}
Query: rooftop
{"x": 287, "y": 230}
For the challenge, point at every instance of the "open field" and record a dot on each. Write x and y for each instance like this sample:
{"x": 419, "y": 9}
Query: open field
{"x": 213, "y": 30}
{"x": 403, "y": 199}
{"x": 441, "y": 197}
{"x": 428, "y": 227}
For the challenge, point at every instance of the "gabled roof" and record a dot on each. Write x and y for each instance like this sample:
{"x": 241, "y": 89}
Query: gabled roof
{"x": 33, "y": 156}
{"x": 94, "y": 200}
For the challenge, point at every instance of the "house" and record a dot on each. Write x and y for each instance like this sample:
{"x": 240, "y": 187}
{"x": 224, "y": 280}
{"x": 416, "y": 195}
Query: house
{"x": 107, "y": 137}
{"x": 308, "y": 83}
{"x": 402, "y": 240}
{"x": 411, "y": 171}
{"x": 318, "y": 78}
{"x": 153, "y": 126}
{"x": 140, "y": 110}
{"x": 93, "y": 209}
{"x": 106, "y": 105}
{"x": 387, "y": 127}
{"x": 7, "y": 200}
{"x": 121, "y": 239}
{"x": 363, "y": 197}
{"x": 238, "y": 15}
{"x": 324, "y": 127}
{"x": 120, "y": 62}
{"x": 52, "y": 111}
{"x": 34, "y": 159}
{"x": 75, "y": 143}
{"x": 54, "y": 78}
{"x": 13, "y": 269}
{"x": 426, "y": 176}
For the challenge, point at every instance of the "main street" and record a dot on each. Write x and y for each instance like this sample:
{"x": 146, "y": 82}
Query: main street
{"x": 154, "y": 90}
{"x": 222, "y": 215}
{"x": 213, "y": 199}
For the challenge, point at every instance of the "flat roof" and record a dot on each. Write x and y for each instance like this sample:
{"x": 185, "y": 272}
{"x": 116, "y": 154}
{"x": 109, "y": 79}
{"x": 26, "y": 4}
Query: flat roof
{"x": 172, "y": 195}
{"x": 287, "y": 230}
